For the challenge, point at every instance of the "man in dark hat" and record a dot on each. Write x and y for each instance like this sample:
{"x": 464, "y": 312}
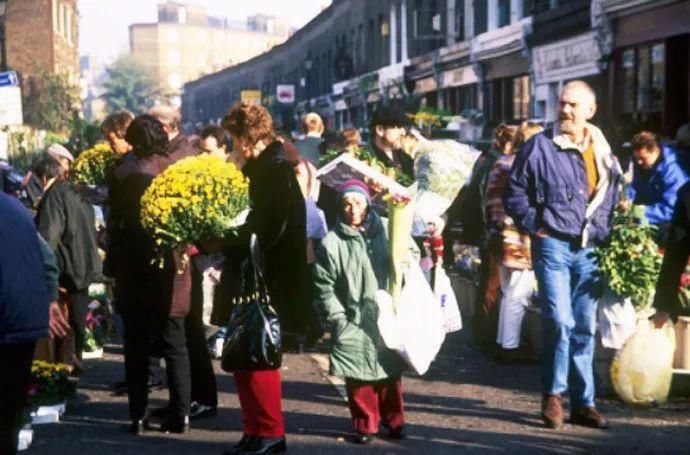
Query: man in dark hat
{"x": 387, "y": 131}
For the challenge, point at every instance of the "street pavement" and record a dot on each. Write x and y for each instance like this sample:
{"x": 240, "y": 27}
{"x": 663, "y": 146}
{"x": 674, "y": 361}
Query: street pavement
{"x": 465, "y": 403}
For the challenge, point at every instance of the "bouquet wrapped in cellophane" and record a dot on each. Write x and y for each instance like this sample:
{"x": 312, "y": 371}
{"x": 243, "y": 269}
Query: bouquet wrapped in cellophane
{"x": 197, "y": 198}
{"x": 400, "y": 216}
{"x": 90, "y": 170}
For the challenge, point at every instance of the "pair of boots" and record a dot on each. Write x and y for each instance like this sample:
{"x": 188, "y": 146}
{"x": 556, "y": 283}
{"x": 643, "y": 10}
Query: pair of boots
{"x": 552, "y": 414}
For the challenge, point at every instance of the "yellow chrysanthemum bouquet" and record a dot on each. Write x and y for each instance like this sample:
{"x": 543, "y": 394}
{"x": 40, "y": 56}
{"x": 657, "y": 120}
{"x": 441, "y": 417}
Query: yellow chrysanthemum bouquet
{"x": 92, "y": 165}
{"x": 90, "y": 170}
{"x": 195, "y": 199}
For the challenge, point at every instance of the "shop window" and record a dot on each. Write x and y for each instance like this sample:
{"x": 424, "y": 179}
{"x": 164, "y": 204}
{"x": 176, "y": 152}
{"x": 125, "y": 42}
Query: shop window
{"x": 481, "y": 16}
{"x": 521, "y": 98}
{"x": 643, "y": 78}
{"x": 503, "y": 13}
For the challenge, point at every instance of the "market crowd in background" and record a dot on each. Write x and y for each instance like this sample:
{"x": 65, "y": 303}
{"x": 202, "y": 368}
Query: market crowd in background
{"x": 536, "y": 205}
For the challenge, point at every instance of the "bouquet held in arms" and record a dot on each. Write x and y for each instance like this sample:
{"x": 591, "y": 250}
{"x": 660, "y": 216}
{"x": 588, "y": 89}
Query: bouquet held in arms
{"x": 90, "y": 172}
{"x": 196, "y": 199}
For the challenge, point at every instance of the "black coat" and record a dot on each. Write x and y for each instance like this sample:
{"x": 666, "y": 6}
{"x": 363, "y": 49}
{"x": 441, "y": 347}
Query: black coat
{"x": 278, "y": 218}
{"x": 67, "y": 222}
{"x": 131, "y": 248}
{"x": 401, "y": 160}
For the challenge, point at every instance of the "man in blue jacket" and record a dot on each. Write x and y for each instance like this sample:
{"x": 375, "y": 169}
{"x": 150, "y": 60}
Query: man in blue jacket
{"x": 562, "y": 189}
{"x": 657, "y": 178}
{"x": 28, "y": 275}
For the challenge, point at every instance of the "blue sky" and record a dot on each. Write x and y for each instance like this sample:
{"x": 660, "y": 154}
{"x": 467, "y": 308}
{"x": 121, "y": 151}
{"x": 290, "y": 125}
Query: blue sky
{"x": 103, "y": 24}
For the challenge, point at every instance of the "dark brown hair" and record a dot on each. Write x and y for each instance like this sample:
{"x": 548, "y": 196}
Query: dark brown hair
{"x": 117, "y": 123}
{"x": 644, "y": 140}
{"x": 250, "y": 122}
{"x": 504, "y": 135}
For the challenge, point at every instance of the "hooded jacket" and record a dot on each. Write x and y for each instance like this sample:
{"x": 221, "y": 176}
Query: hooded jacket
{"x": 351, "y": 266}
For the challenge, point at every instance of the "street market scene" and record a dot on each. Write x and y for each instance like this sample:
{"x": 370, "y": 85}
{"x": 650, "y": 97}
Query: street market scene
{"x": 344, "y": 226}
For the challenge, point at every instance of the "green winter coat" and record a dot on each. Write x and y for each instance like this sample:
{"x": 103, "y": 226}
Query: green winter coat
{"x": 351, "y": 266}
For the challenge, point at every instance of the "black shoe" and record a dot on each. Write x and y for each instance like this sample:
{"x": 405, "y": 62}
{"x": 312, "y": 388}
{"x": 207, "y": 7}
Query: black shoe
{"x": 201, "y": 411}
{"x": 238, "y": 449}
{"x": 363, "y": 438}
{"x": 397, "y": 433}
{"x": 176, "y": 424}
{"x": 260, "y": 445}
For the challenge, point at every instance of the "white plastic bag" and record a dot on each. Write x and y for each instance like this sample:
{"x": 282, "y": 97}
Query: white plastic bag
{"x": 641, "y": 372}
{"x": 445, "y": 298}
{"x": 617, "y": 320}
{"x": 417, "y": 330}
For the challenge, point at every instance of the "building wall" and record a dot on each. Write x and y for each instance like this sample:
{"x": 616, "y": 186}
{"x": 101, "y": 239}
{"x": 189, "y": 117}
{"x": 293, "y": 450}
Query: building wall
{"x": 43, "y": 35}
{"x": 176, "y": 53}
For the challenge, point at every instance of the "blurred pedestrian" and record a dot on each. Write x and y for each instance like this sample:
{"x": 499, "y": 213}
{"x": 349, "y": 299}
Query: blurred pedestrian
{"x": 515, "y": 270}
{"x": 657, "y": 177}
{"x": 387, "y": 132}
{"x": 562, "y": 189}
{"x": 59, "y": 153}
{"x": 313, "y": 128}
{"x": 24, "y": 299}
{"x": 351, "y": 140}
{"x": 114, "y": 127}
{"x": 67, "y": 223}
{"x": 171, "y": 119}
{"x": 353, "y": 263}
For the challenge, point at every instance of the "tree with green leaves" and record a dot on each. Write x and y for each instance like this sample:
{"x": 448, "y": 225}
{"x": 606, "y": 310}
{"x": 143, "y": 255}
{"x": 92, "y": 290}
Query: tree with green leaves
{"x": 129, "y": 86}
{"x": 50, "y": 102}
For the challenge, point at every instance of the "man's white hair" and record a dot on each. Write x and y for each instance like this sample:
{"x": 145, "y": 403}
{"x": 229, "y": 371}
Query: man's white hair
{"x": 580, "y": 85}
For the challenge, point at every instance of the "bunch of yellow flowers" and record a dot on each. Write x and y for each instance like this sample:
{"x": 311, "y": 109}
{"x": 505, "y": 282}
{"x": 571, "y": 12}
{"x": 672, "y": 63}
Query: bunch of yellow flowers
{"x": 197, "y": 198}
{"x": 92, "y": 165}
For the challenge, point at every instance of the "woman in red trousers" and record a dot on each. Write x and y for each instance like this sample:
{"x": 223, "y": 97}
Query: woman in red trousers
{"x": 278, "y": 219}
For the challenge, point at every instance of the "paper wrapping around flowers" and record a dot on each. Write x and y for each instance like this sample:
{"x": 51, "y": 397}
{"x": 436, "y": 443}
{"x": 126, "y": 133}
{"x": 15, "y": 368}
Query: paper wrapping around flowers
{"x": 399, "y": 229}
{"x": 346, "y": 167}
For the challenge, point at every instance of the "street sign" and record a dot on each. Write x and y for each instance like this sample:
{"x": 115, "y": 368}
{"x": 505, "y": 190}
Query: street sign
{"x": 285, "y": 93}
{"x": 9, "y": 78}
{"x": 251, "y": 96}
{"x": 11, "y": 106}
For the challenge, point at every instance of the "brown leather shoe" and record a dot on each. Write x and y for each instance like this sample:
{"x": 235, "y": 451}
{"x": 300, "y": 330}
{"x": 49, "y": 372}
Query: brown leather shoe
{"x": 588, "y": 416}
{"x": 552, "y": 411}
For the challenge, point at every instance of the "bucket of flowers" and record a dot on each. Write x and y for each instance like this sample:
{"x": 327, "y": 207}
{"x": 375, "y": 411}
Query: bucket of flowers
{"x": 194, "y": 200}
{"x": 90, "y": 172}
{"x": 49, "y": 391}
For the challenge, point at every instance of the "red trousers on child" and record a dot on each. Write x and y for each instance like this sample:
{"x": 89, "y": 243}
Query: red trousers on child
{"x": 374, "y": 402}
{"x": 260, "y": 398}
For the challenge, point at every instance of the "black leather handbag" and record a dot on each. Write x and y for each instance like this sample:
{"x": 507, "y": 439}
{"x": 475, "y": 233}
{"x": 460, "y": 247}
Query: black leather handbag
{"x": 253, "y": 341}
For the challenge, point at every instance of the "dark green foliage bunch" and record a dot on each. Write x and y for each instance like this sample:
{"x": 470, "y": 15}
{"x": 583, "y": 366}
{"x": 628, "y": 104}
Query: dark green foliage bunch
{"x": 630, "y": 260}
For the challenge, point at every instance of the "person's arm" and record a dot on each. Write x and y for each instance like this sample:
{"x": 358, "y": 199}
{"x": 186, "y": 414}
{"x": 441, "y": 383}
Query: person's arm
{"x": 677, "y": 251}
{"x": 57, "y": 323}
{"x": 662, "y": 211}
{"x": 519, "y": 192}
{"x": 326, "y": 300}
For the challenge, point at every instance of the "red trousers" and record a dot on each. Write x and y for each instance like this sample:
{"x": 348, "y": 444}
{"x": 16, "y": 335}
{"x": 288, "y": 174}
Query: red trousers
{"x": 374, "y": 402}
{"x": 260, "y": 398}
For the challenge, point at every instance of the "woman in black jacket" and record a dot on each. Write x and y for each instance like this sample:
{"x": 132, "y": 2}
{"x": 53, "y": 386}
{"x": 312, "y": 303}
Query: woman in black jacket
{"x": 278, "y": 219}
{"x": 67, "y": 222}
{"x": 155, "y": 301}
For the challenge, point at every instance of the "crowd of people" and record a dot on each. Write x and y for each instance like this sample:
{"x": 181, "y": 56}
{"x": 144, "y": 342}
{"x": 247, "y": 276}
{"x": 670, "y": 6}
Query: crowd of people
{"x": 536, "y": 204}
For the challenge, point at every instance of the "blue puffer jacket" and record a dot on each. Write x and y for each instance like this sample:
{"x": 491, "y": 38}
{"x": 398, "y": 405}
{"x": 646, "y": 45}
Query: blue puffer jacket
{"x": 660, "y": 190}
{"x": 548, "y": 189}
{"x": 23, "y": 290}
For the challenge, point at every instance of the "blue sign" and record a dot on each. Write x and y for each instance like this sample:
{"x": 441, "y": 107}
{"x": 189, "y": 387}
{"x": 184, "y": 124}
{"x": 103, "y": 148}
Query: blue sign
{"x": 9, "y": 78}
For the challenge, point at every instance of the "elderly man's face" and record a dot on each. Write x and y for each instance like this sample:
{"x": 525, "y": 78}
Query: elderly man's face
{"x": 354, "y": 209}
{"x": 575, "y": 107}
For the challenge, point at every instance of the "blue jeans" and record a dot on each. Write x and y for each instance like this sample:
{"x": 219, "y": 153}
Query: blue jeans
{"x": 569, "y": 290}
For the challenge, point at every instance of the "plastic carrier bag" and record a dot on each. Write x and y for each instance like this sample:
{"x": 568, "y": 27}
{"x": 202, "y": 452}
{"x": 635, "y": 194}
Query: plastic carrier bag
{"x": 641, "y": 372}
{"x": 417, "y": 330}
